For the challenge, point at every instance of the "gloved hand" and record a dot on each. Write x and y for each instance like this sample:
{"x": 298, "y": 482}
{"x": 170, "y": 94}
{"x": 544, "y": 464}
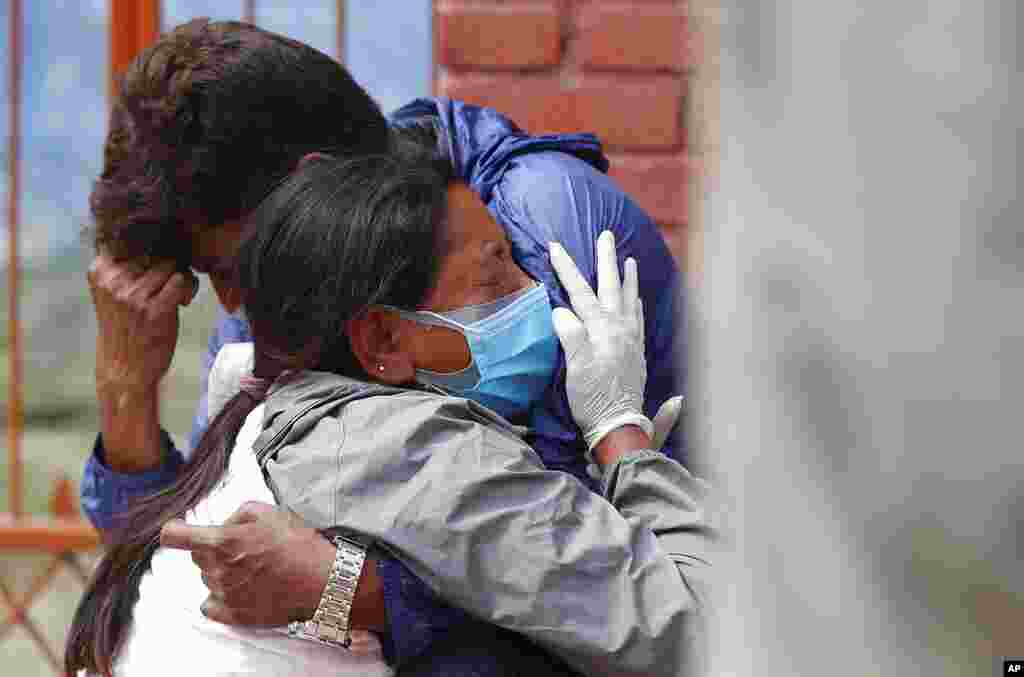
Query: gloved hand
{"x": 604, "y": 343}
{"x": 664, "y": 422}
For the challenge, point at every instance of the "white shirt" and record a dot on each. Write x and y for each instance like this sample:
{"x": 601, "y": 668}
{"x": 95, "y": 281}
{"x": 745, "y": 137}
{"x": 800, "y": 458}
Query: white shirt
{"x": 169, "y": 634}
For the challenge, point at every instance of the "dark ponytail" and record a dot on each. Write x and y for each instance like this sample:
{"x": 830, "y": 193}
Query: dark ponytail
{"x": 105, "y": 610}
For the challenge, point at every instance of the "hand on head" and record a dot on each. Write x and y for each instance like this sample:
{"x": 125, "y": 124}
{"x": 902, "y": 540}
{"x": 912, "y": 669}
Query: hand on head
{"x": 137, "y": 314}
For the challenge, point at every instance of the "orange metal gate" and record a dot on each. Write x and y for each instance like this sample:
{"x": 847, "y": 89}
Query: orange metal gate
{"x": 63, "y": 536}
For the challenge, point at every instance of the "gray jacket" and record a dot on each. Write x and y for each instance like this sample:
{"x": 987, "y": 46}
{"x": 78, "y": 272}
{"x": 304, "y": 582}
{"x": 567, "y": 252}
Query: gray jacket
{"x": 614, "y": 585}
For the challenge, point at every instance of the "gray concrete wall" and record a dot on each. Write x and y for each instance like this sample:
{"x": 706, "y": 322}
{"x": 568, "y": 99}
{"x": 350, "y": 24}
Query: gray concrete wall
{"x": 861, "y": 324}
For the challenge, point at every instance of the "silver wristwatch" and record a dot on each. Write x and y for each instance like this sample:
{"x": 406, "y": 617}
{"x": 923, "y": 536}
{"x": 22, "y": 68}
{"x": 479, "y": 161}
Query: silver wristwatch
{"x": 330, "y": 621}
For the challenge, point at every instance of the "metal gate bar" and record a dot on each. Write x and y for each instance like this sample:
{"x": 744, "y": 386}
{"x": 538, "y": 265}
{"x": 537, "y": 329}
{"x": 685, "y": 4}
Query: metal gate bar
{"x": 14, "y": 390}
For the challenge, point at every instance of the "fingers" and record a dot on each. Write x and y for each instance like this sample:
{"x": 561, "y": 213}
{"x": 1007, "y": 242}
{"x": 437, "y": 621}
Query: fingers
{"x": 630, "y": 290}
{"x": 228, "y": 583}
{"x": 179, "y": 535}
{"x": 614, "y": 294}
{"x": 642, "y": 328}
{"x": 167, "y": 287}
{"x": 178, "y": 291}
{"x": 97, "y": 272}
{"x": 160, "y": 288}
{"x": 571, "y": 332}
{"x": 609, "y": 286}
{"x": 152, "y": 281}
{"x": 665, "y": 420}
{"x": 217, "y": 610}
{"x": 108, "y": 278}
{"x": 250, "y": 511}
{"x": 581, "y": 296}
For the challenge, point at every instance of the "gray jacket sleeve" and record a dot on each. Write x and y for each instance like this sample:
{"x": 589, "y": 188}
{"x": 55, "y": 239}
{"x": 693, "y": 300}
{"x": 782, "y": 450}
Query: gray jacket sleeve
{"x": 612, "y": 585}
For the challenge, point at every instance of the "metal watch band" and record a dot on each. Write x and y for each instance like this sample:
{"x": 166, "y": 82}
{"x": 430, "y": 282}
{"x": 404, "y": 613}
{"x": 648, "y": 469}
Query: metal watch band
{"x": 330, "y": 621}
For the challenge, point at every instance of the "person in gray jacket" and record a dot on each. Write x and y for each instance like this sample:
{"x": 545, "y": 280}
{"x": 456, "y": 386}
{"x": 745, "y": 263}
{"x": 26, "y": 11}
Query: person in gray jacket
{"x": 385, "y": 336}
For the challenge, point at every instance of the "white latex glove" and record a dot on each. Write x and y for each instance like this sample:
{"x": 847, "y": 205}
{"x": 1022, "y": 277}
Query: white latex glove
{"x": 665, "y": 420}
{"x": 604, "y": 343}
{"x": 233, "y": 361}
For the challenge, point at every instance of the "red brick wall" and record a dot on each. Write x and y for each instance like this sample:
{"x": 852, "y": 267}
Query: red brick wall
{"x": 613, "y": 68}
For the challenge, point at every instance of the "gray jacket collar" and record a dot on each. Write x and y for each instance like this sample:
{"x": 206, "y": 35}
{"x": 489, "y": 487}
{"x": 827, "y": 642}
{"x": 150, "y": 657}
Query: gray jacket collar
{"x": 297, "y": 400}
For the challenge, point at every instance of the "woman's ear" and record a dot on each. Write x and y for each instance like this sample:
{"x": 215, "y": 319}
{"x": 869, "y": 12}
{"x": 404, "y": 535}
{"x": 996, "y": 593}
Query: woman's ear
{"x": 380, "y": 341}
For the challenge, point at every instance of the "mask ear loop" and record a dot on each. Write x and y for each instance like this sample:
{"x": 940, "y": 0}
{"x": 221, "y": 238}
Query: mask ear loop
{"x": 454, "y": 319}
{"x": 426, "y": 317}
{"x": 469, "y": 315}
{"x": 464, "y": 378}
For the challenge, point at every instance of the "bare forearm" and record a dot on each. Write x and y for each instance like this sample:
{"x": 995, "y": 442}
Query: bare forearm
{"x": 368, "y": 611}
{"x": 130, "y": 425}
{"x": 137, "y": 322}
{"x": 618, "y": 442}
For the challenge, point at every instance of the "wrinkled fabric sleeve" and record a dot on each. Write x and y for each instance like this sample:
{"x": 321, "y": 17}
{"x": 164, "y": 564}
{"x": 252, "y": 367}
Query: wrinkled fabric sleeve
{"x": 471, "y": 511}
{"x": 105, "y": 493}
{"x": 675, "y": 505}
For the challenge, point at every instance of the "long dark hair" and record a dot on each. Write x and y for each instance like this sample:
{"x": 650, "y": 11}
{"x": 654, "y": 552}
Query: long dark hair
{"x": 207, "y": 121}
{"x": 334, "y": 238}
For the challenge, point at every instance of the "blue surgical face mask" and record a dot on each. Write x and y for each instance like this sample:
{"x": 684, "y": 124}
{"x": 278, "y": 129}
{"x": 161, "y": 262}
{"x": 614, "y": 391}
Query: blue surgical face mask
{"x": 513, "y": 349}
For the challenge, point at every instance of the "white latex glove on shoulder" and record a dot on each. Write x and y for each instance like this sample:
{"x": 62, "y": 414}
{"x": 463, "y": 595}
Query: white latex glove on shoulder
{"x": 603, "y": 340}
